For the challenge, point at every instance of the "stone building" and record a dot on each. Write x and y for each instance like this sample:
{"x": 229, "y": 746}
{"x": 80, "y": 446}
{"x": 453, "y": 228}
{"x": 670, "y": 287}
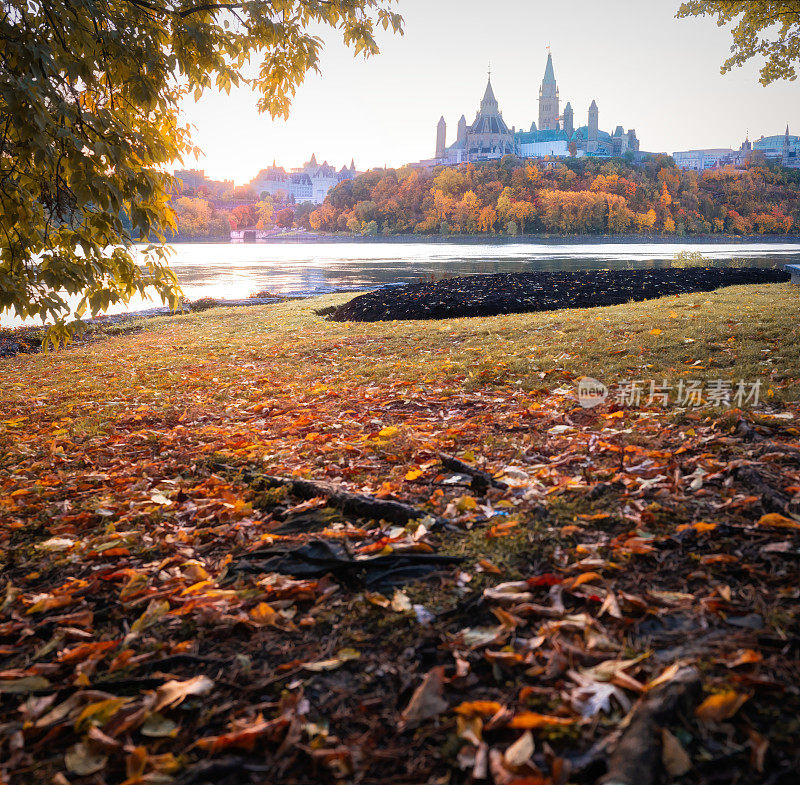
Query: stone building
{"x": 310, "y": 183}
{"x": 490, "y": 137}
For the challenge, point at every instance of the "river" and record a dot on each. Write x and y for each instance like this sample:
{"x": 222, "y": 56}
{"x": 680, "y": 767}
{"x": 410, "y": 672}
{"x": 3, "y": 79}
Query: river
{"x": 233, "y": 271}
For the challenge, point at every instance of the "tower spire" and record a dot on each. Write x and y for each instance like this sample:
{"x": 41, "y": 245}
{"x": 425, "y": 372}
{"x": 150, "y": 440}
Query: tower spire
{"x": 548, "y": 97}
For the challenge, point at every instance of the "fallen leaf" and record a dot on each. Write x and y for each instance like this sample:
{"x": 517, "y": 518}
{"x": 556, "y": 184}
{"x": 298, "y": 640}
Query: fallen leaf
{"x": 531, "y": 720}
{"x": 746, "y": 657}
{"x": 721, "y": 706}
{"x": 777, "y": 520}
{"x": 673, "y": 755}
{"x": 82, "y": 760}
{"x": 519, "y": 752}
{"x": 478, "y": 708}
{"x": 342, "y": 656}
{"x": 25, "y": 684}
{"x": 157, "y": 726}
{"x": 427, "y": 701}
{"x": 174, "y": 692}
{"x": 400, "y": 602}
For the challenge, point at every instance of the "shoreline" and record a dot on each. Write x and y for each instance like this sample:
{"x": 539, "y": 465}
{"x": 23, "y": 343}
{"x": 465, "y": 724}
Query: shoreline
{"x": 521, "y": 239}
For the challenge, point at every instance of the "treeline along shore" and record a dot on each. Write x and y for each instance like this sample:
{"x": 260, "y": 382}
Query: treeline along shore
{"x": 570, "y": 198}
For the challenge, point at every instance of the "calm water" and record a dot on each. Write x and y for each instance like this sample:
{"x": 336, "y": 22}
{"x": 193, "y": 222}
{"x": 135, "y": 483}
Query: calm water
{"x": 237, "y": 270}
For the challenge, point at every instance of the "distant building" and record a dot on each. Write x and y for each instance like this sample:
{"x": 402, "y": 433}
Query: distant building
{"x": 785, "y": 148}
{"x": 195, "y": 181}
{"x": 310, "y": 183}
{"x": 489, "y": 136}
{"x": 698, "y": 160}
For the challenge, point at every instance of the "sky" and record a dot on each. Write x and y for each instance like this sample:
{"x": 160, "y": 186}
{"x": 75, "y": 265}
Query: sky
{"x": 646, "y": 70}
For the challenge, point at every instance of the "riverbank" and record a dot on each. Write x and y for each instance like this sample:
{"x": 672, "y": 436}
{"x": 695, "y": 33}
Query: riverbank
{"x": 495, "y": 239}
{"x": 179, "y": 603}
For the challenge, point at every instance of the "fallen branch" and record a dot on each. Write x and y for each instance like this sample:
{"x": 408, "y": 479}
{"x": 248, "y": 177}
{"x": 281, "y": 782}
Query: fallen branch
{"x": 481, "y": 481}
{"x": 636, "y": 759}
{"x": 356, "y": 504}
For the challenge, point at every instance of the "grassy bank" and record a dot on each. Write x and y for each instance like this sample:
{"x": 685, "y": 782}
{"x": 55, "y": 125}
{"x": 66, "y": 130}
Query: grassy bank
{"x": 142, "y": 642}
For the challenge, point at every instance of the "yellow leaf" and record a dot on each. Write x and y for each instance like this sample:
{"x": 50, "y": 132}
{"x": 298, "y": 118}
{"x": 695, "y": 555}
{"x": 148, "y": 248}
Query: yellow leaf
{"x": 466, "y": 503}
{"x": 655, "y": 331}
{"x": 99, "y": 713}
{"x": 389, "y": 430}
{"x": 413, "y": 474}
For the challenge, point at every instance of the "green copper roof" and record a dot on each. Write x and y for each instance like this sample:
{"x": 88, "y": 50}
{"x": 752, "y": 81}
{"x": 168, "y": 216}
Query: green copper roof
{"x": 530, "y": 137}
{"x": 549, "y": 76}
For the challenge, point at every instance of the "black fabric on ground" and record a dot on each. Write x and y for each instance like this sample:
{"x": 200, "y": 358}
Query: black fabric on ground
{"x": 320, "y": 557}
{"x": 499, "y": 293}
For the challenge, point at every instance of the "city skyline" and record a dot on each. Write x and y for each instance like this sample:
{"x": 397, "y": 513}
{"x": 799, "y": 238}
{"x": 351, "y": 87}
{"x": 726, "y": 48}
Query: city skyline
{"x": 659, "y": 74}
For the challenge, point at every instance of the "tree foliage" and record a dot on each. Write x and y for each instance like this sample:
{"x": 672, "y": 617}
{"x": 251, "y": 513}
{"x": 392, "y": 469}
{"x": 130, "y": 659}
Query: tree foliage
{"x": 89, "y": 120}
{"x": 576, "y": 196}
{"x": 767, "y": 28}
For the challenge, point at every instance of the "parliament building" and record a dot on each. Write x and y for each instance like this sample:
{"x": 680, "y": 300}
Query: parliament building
{"x": 555, "y": 135}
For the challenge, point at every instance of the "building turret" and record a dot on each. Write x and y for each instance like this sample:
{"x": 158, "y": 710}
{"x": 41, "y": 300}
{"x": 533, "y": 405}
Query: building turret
{"x": 548, "y": 98}
{"x": 489, "y": 103}
{"x": 591, "y": 136}
{"x": 441, "y": 135}
{"x": 785, "y": 151}
{"x": 569, "y": 120}
{"x": 462, "y": 129}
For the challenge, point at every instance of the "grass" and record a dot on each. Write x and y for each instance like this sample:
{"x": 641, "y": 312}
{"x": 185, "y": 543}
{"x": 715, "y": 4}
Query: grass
{"x": 737, "y": 332}
{"x": 134, "y": 445}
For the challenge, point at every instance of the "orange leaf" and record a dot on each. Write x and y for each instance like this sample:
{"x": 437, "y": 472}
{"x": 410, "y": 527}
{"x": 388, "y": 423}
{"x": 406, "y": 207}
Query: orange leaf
{"x": 584, "y": 577}
{"x": 85, "y": 650}
{"x": 478, "y": 708}
{"x": 746, "y": 657}
{"x": 263, "y": 614}
{"x": 244, "y": 738}
{"x": 721, "y": 706}
{"x": 531, "y": 720}
{"x": 778, "y": 520}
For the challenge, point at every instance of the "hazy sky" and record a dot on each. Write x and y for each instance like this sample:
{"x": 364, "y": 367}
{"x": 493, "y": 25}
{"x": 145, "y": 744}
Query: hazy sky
{"x": 646, "y": 70}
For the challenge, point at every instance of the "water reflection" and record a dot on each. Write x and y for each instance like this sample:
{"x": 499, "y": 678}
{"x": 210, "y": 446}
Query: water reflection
{"x": 313, "y": 268}
{"x": 235, "y": 271}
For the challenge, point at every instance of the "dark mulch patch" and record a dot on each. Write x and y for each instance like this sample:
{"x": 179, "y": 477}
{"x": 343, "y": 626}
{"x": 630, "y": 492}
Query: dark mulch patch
{"x": 21, "y": 341}
{"x": 489, "y": 295}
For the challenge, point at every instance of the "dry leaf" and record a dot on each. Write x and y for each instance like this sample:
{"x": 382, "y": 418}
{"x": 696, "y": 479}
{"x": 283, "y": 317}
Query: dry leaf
{"x": 519, "y": 752}
{"x": 779, "y": 521}
{"x": 673, "y": 755}
{"x": 172, "y": 693}
{"x": 427, "y": 701}
{"x": 80, "y": 759}
{"x": 721, "y": 706}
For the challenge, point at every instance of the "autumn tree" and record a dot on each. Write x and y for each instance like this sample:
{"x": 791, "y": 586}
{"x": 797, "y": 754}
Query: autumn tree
{"x": 89, "y": 112}
{"x": 769, "y": 29}
{"x": 244, "y": 216}
{"x": 285, "y": 218}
